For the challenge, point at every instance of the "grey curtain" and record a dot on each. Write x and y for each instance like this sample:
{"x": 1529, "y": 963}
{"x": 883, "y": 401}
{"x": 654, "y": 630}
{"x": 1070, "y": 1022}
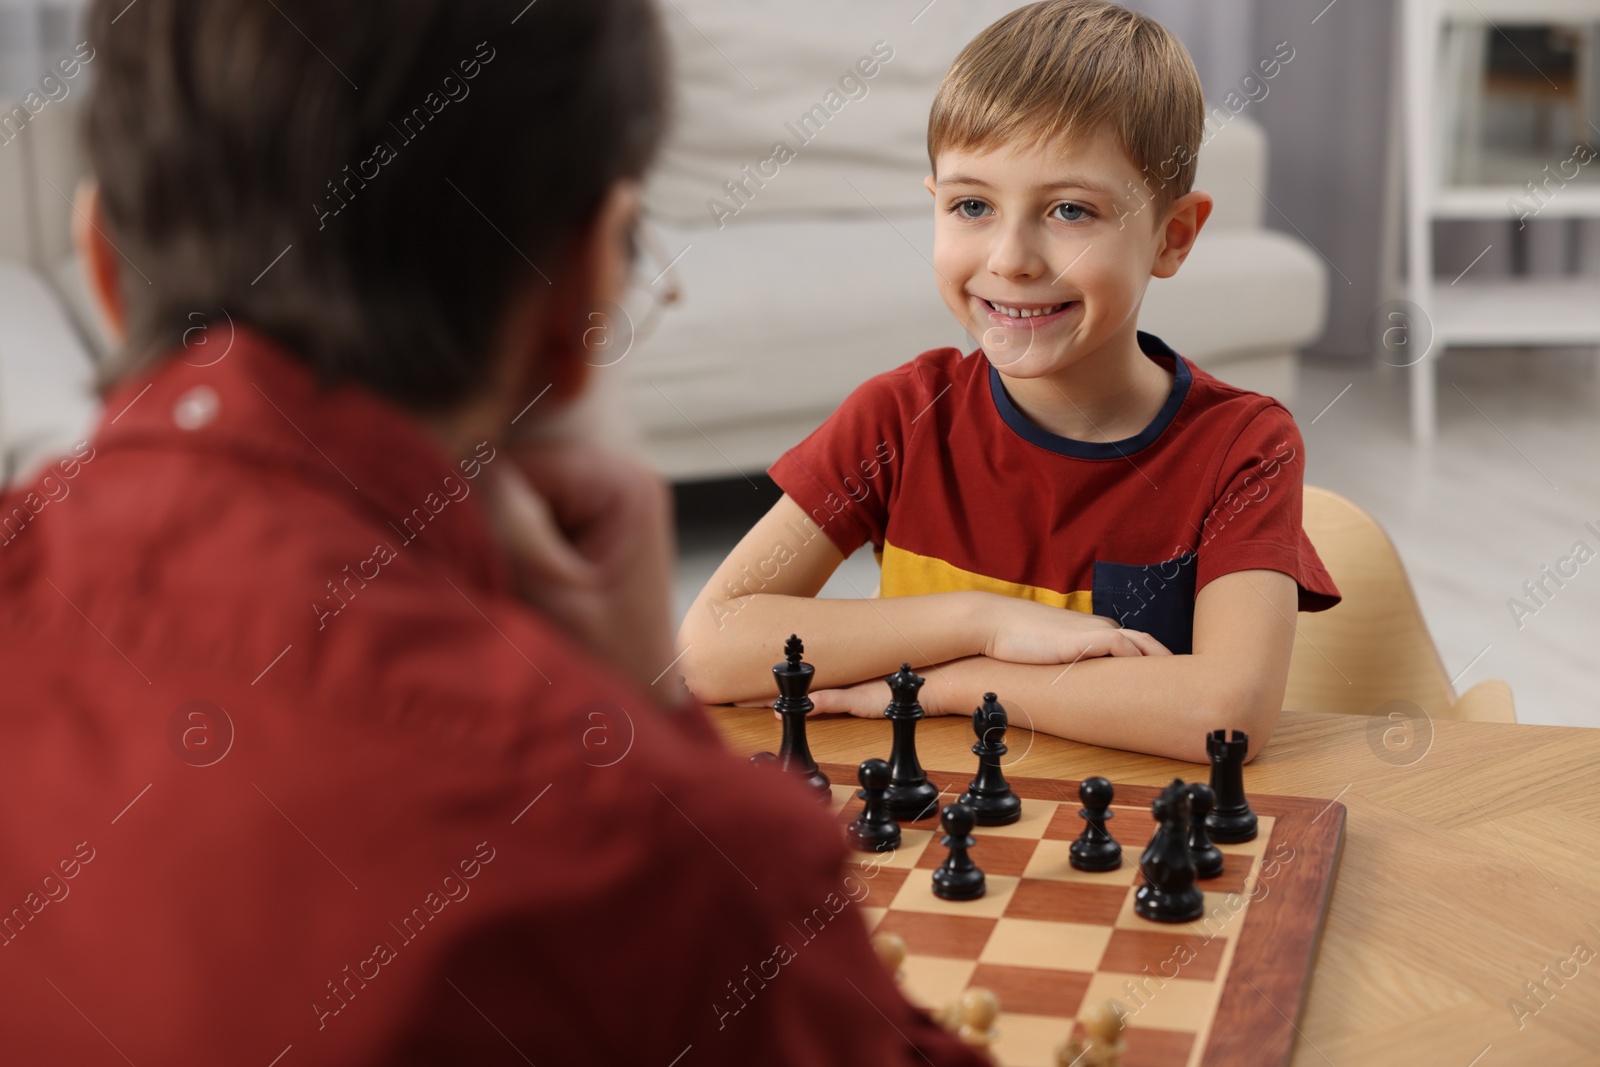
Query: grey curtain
{"x": 1326, "y": 117}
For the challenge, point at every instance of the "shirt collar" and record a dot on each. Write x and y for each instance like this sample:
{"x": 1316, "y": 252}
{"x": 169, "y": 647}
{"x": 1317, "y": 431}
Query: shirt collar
{"x": 1154, "y": 348}
{"x": 256, "y": 404}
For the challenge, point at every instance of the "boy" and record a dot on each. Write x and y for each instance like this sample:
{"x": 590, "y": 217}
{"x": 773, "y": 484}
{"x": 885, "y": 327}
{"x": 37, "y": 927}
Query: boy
{"x": 1070, "y": 462}
{"x": 292, "y": 771}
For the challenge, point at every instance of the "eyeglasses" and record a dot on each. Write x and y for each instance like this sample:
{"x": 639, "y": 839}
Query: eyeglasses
{"x": 653, "y": 287}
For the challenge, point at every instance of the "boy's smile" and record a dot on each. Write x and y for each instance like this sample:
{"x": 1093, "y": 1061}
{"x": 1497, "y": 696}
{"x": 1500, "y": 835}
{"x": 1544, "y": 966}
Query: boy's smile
{"x": 1043, "y": 253}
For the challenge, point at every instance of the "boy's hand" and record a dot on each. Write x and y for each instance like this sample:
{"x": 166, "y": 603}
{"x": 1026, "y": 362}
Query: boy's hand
{"x": 1025, "y": 631}
{"x": 869, "y": 699}
{"x": 588, "y": 534}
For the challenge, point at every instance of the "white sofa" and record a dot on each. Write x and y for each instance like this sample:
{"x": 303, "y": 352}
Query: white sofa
{"x": 820, "y": 278}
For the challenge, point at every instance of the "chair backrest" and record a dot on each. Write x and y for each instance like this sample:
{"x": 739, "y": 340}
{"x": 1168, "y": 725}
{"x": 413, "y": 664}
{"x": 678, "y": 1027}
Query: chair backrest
{"x": 1374, "y": 647}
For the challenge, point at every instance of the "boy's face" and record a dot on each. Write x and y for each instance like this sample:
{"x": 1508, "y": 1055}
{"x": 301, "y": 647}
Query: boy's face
{"x": 1043, "y": 252}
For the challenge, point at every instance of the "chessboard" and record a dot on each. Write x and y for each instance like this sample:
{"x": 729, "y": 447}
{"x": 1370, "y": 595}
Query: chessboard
{"x": 1053, "y": 942}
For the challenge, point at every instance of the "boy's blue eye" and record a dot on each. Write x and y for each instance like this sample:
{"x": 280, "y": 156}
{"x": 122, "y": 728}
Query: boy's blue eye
{"x": 1082, "y": 212}
{"x": 969, "y": 209}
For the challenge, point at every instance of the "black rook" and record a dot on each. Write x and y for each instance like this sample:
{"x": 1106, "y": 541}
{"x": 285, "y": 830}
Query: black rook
{"x": 1231, "y": 821}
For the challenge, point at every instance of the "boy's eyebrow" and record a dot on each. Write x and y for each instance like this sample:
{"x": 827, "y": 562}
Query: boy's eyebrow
{"x": 1068, "y": 182}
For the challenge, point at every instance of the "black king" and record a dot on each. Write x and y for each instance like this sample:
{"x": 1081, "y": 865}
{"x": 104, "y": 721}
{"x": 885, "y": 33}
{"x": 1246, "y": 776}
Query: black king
{"x": 794, "y": 683}
{"x": 911, "y": 795}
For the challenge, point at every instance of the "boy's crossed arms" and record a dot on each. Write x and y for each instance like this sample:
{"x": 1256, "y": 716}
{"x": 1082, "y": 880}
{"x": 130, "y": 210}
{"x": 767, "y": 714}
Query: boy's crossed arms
{"x": 1065, "y": 672}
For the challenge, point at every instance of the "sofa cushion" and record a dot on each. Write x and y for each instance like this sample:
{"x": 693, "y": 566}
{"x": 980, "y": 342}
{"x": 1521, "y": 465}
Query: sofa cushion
{"x": 778, "y": 317}
{"x": 16, "y": 223}
{"x": 1233, "y": 169}
{"x": 1239, "y": 291}
{"x": 46, "y": 399}
{"x": 747, "y": 72}
{"x": 60, "y": 163}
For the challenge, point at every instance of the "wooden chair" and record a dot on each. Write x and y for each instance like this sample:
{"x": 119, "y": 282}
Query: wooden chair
{"x": 1374, "y": 647}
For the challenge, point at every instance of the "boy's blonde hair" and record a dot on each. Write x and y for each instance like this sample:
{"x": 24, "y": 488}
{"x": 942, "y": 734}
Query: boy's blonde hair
{"x": 1057, "y": 70}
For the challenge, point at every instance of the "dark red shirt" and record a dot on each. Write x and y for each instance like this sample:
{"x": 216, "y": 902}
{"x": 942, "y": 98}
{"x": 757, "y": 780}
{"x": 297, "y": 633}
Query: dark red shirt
{"x": 288, "y": 776}
{"x": 955, "y": 488}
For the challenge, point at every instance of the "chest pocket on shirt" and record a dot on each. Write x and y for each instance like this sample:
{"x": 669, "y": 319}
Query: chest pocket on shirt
{"x": 1157, "y": 598}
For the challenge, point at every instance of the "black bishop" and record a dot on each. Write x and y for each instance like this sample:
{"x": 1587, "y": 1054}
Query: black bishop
{"x": 990, "y": 796}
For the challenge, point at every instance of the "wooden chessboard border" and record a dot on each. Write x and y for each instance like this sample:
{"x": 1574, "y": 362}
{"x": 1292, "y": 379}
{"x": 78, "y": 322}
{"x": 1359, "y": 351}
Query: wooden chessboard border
{"x": 1284, "y": 922}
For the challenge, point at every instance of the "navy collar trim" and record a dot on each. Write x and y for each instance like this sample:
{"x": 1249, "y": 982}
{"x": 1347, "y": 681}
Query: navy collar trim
{"x": 1029, "y": 431}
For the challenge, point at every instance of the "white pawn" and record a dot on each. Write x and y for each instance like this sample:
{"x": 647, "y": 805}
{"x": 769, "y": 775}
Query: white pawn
{"x": 891, "y": 949}
{"x": 979, "y": 1010}
{"x": 1106, "y": 1046}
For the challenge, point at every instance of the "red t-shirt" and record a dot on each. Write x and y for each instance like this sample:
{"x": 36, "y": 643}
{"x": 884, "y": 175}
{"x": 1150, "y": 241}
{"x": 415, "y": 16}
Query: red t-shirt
{"x": 289, "y": 776}
{"x": 955, "y": 488}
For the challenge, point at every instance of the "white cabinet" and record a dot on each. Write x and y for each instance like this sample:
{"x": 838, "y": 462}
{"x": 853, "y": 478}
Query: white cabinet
{"x": 1449, "y": 175}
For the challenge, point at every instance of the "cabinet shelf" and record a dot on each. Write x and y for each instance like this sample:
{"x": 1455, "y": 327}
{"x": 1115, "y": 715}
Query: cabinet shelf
{"x": 1517, "y": 311}
{"x": 1519, "y": 12}
{"x": 1575, "y": 201}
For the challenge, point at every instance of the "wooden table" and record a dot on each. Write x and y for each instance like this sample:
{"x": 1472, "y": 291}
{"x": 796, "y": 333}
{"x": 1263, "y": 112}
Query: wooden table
{"x": 1471, "y": 864}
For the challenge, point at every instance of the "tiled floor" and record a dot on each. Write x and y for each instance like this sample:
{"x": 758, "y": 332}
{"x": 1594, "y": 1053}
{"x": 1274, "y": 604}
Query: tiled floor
{"x": 1506, "y": 490}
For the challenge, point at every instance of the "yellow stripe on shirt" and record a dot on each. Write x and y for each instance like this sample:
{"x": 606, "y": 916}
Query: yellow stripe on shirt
{"x": 909, "y": 574}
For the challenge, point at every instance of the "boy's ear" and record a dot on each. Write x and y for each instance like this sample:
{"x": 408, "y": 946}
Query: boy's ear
{"x": 927, "y": 183}
{"x": 1185, "y": 218}
{"x": 97, "y": 258}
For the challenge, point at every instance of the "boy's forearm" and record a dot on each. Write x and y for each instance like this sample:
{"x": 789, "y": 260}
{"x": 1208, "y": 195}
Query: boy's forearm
{"x": 728, "y": 645}
{"x": 1162, "y": 705}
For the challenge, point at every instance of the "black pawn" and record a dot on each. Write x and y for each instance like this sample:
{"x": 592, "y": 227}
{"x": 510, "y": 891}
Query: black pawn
{"x": 1208, "y": 859}
{"x": 1095, "y": 849}
{"x": 958, "y": 878}
{"x": 911, "y": 795}
{"x": 874, "y": 829}
{"x": 793, "y": 703}
{"x": 1231, "y": 821}
{"x": 1169, "y": 894}
{"x": 990, "y": 796}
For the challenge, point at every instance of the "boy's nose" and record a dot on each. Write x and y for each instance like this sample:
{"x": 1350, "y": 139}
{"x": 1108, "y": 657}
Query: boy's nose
{"x": 1016, "y": 254}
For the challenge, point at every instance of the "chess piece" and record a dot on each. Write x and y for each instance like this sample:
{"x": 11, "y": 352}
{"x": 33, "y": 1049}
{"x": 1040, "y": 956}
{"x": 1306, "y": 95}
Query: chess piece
{"x": 891, "y": 950}
{"x": 1208, "y": 861}
{"x": 990, "y": 796}
{"x": 1070, "y": 1053}
{"x": 1231, "y": 821}
{"x": 793, "y": 704}
{"x": 1103, "y": 1027}
{"x": 874, "y": 829}
{"x": 958, "y": 878}
{"x": 1095, "y": 849}
{"x": 911, "y": 795}
{"x": 979, "y": 1009}
{"x": 1169, "y": 894}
